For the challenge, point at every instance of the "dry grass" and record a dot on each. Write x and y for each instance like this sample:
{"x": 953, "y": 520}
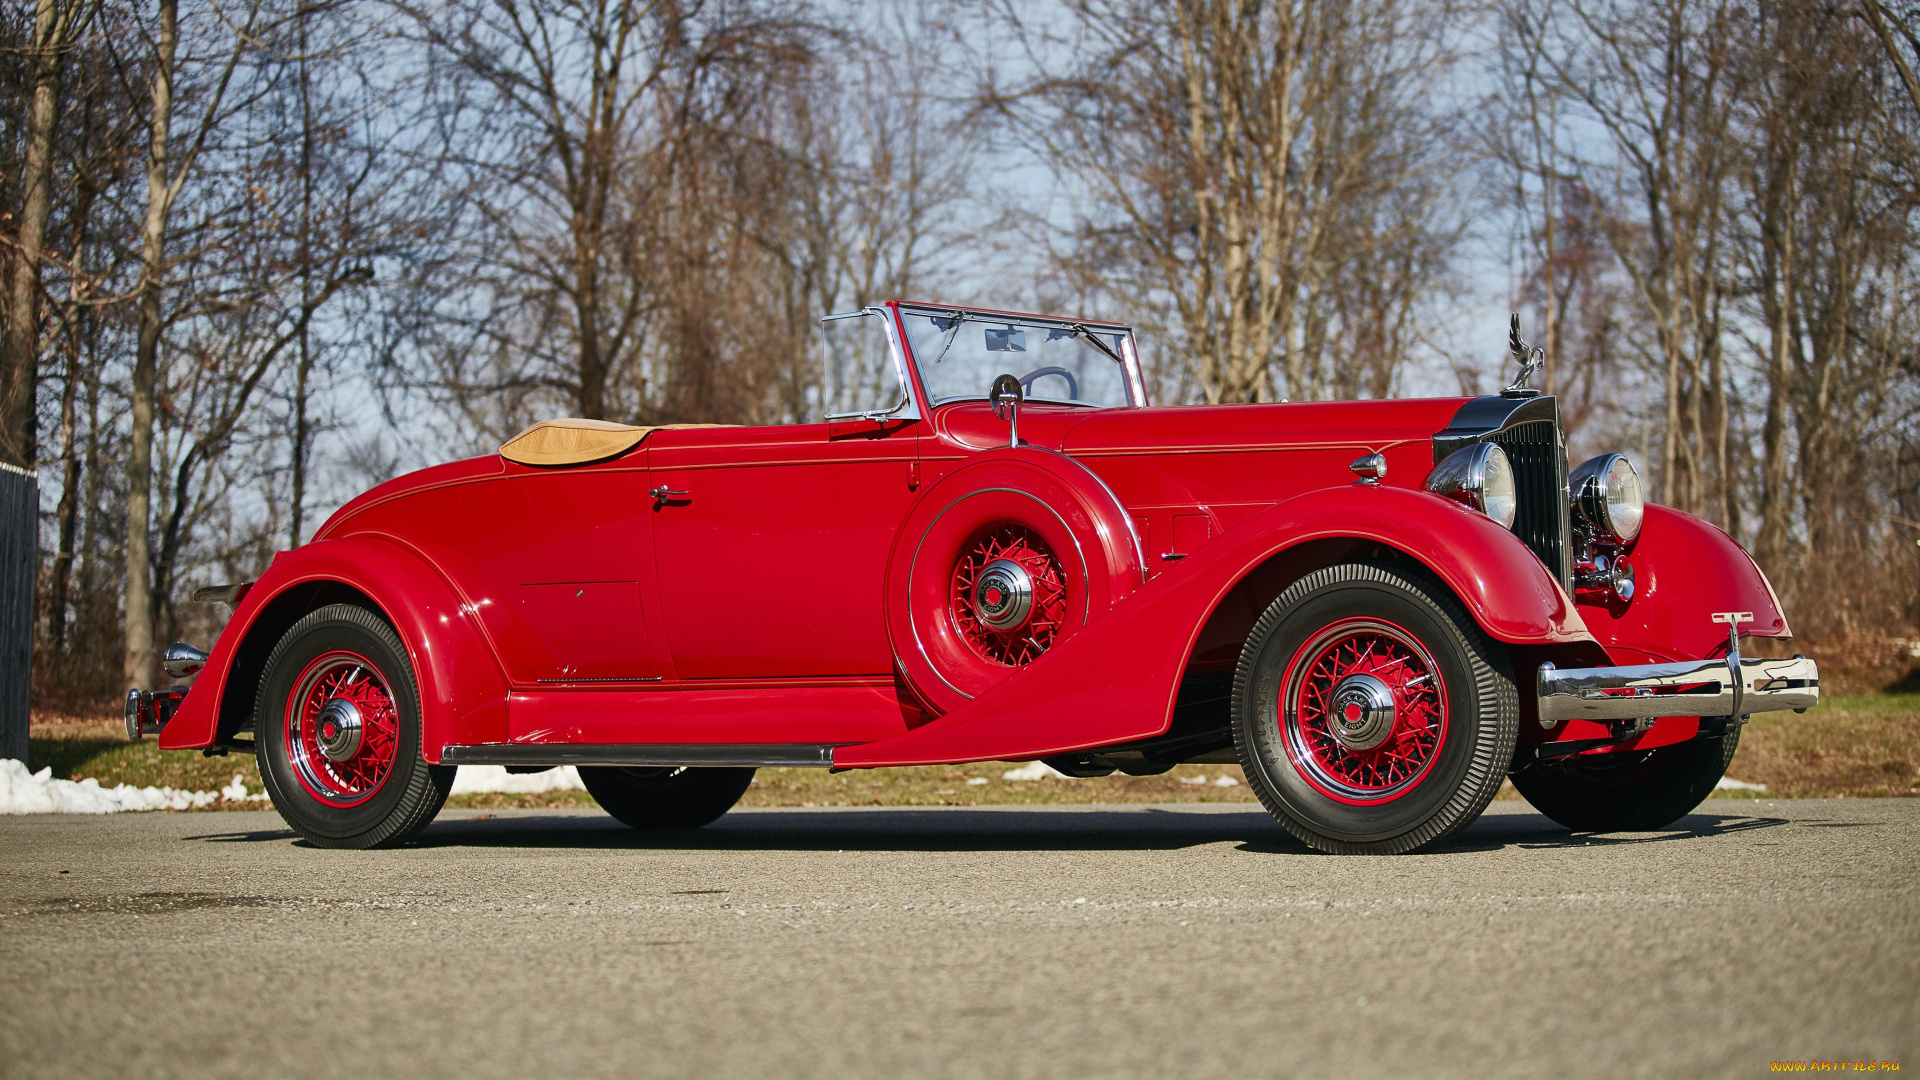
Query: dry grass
{"x": 79, "y": 747}
{"x": 936, "y": 785}
{"x": 1848, "y": 748}
{"x": 1854, "y": 747}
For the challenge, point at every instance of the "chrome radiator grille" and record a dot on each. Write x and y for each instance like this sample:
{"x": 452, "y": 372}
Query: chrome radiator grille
{"x": 1538, "y": 452}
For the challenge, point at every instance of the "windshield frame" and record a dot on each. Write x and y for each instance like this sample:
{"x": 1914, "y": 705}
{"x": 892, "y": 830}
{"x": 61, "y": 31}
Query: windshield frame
{"x": 1129, "y": 350}
{"x": 909, "y": 406}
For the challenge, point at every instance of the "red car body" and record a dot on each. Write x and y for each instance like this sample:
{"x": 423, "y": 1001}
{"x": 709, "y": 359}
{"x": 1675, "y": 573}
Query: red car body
{"x": 770, "y": 606}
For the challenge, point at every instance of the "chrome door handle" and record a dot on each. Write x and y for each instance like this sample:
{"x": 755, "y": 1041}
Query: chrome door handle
{"x": 663, "y": 493}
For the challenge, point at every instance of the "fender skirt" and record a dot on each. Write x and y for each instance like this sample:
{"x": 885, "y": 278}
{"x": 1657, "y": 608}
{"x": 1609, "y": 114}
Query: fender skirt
{"x": 1115, "y": 681}
{"x": 463, "y": 691}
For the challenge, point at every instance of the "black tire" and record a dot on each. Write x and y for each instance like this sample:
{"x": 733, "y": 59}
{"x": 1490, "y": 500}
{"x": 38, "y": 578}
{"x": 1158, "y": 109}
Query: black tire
{"x": 407, "y": 793}
{"x": 655, "y": 799}
{"x": 1637, "y": 792}
{"x": 1453, "y": 733}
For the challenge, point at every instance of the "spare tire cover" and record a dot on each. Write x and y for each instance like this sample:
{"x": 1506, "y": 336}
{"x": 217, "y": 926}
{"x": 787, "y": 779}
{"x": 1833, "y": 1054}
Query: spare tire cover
{"x": 997, "y": 562}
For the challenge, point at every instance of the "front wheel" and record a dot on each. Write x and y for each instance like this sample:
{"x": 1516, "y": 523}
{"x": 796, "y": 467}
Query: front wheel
{"x": 1629, "y": 792}
{"x": 337, "y": 733}
{"x": 657, "y": 798}
{"x": 1371, "y": 713}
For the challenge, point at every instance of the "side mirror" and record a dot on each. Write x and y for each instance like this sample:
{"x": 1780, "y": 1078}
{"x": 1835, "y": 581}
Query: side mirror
{"x": 1005, "y": 397}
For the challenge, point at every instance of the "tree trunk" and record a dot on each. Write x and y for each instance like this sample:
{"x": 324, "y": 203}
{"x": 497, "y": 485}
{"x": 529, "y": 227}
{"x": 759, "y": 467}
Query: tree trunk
{"x": 67, "y": 514}
{"x": 1776, "y": 498}
{"x": 137, "y": 667}
{"x": 19, "y": 369}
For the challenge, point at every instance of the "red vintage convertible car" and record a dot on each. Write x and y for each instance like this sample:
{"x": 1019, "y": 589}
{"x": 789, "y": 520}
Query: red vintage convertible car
{"x": 992, "y": 547}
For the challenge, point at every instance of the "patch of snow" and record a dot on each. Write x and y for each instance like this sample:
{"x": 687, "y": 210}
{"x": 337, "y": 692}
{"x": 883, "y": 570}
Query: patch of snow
{"x": 237, "y": 791}
{"x": 976, "y": 781}
{"x": 1035, "y": 770}
{"x": 474, "y": 779}
{"x": 22, "y": 792}
{"x": 1226, "y": 781}
{"x": 1193, "y": 779}
{"x": 1728, "y": 783}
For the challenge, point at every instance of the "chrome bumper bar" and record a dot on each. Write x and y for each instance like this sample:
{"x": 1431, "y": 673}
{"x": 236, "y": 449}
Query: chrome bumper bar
{"x": 1729, "y": 687}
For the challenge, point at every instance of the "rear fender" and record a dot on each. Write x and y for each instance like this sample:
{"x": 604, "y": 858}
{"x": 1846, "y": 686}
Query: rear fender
{"x": 463, "y": 691}
{"x": 1115, "y": 681}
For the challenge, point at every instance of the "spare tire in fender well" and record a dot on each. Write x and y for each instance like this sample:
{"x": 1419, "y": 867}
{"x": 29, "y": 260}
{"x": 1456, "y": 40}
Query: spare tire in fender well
{"x": 1070, "y": 513}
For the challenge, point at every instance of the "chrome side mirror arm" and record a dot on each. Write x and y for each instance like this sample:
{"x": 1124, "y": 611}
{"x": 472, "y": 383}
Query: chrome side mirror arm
{"x": 1005, "y": 397}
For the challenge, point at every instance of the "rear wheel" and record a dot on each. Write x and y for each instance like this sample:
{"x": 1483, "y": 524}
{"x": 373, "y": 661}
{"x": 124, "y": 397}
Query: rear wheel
{"x": 1371, "y": 714}
{"x": 337, "y": 733}
{"x": 665, "y": 797}
{"x": 1629, "y": 792}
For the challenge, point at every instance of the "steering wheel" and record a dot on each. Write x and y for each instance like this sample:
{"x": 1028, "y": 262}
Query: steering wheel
{"x": 1031, "y": 377}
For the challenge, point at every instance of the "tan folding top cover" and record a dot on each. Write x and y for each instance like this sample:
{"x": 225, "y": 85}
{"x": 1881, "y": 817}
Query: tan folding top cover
{"x": 571, "y": 441}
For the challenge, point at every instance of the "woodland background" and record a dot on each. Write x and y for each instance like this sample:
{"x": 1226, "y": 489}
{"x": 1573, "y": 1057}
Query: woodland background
{"x": 257, "y": 255}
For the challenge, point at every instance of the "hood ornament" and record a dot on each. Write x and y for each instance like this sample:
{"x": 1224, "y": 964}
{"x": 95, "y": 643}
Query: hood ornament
{"x": 1531, "y": 359}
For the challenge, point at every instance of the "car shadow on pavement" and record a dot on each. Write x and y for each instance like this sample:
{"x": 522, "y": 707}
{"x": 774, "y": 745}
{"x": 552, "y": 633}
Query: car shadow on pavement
{"x": 905, "y": 829}
{"x": 1532, "y": 831}
{"x": 965, "y": 829}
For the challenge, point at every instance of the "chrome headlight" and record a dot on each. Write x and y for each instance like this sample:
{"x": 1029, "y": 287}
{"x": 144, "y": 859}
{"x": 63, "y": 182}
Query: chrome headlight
{"x": 1607, "y": 496}
{"x": 1480, "y": 476}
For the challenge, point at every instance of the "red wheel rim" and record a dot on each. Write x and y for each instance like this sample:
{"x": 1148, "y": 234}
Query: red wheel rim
{"x": 980, "y": 578}
{"x": 342, "y": 732}
{"x": 1364, "y": 713}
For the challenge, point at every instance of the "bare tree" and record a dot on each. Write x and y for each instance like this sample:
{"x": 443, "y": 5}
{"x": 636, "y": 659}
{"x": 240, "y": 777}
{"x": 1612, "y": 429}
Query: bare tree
{"x": 55, "y": 26}
{"x": 1238, "y": 154}
{"x": 167, "y": 174}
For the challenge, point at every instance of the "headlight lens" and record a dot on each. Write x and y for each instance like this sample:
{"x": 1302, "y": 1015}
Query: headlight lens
{"x": 1608, "y": 496}
{"x": 1497, "y": 491}
{"x": 1481, "y": 477}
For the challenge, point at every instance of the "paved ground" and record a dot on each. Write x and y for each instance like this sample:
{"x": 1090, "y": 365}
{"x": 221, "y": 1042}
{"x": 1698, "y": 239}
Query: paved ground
{"x": 1096, "y": 941}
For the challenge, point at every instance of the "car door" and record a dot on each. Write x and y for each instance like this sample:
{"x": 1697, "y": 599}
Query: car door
{"x": 771, "y": 543}
{"x": 770, "y": 546}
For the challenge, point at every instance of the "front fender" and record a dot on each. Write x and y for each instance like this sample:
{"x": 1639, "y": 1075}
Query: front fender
{"x": 463, "y": 690}
{"x": 1116, "y": 680}
{"x": 1685, "y": 570}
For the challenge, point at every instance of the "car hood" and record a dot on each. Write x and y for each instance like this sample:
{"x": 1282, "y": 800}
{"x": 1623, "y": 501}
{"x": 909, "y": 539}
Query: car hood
{"x": 1375, "y": 425}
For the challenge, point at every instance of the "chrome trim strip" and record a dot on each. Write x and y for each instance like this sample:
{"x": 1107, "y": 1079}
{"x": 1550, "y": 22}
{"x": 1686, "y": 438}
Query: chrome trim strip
{"x": 1729, "y": 686}
{"x": 766, "y": 755}
{"x": 620, "y": 679}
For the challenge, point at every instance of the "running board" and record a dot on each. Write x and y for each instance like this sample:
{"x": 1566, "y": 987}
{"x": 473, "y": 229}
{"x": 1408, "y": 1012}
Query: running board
{"x": 764, "y": 755}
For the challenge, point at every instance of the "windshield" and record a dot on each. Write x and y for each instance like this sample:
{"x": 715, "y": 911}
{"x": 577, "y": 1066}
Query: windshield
{"x": 959, "y": 354}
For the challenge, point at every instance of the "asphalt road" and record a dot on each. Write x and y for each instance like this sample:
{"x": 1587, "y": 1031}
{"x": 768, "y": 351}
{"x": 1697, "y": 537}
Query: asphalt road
{"x": 1184, "y": 941}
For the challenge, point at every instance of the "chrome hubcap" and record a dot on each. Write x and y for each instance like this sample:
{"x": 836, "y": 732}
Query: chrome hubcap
{"x": 337, "y": 732}
{"x": 1003, "y": 595}
{"x": 1362, "y": 712}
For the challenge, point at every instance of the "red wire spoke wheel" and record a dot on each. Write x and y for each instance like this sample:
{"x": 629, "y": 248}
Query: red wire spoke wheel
{"x": 998, "y": 563}
{"x": 341, "y": 729}
{"x": 1009, "y": 595}
{"x": 1371, "y": 713}
{"x": 1365, "y": 711}
{"x": 338, "y": 734}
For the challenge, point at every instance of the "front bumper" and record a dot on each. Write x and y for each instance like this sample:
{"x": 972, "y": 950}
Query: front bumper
{"x": 148, "y": 711}
{"x": 1730, "y": 687}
